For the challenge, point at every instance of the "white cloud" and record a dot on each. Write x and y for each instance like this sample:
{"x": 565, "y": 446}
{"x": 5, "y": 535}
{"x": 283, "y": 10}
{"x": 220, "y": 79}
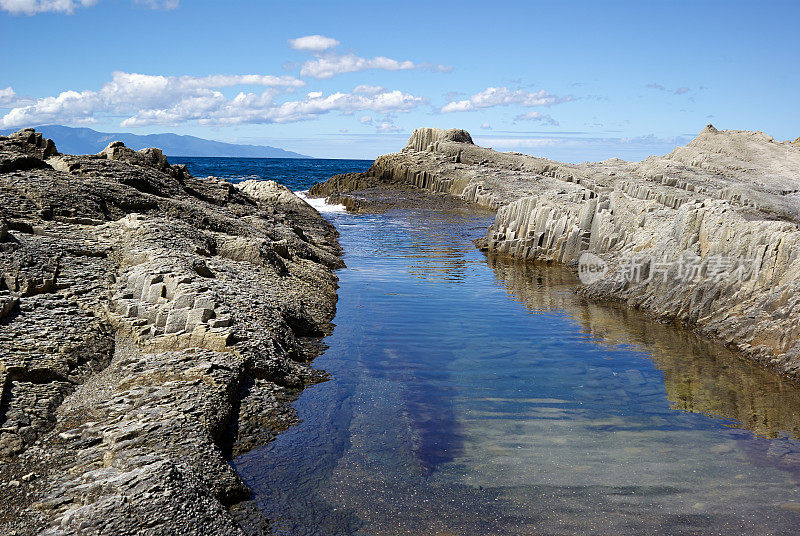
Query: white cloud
{"x": 222, "y": 80}
{"x": 313, "y": 43}
{"x": 365, "y": 119}
{"x": 254, "y": 108}
{"x": 388, "y": 128}
{"x": 330, "y": 65}
{"x": 131, "y": 93}
{"x": 486, "y": 126}
{"x": 536, "y": 116}
{"x": 503, "y": 96}
{"x": 260, "y": 109}
{"x": 32, "y": 7}
{"x": 148, "y": 99}
{"x": 9, "y": 98}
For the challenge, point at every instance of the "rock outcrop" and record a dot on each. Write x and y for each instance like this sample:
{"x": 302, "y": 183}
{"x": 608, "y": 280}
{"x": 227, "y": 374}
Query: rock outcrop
{"x": 426, "y": 139}
{"x": 706, "y": 236}
{"x": 152, "y": 325}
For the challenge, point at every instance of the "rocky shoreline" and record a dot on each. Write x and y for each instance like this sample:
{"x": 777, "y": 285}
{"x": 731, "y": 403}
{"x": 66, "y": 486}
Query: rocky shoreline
{"x": 153, "y": 325}
{"x": 706, "y": 236}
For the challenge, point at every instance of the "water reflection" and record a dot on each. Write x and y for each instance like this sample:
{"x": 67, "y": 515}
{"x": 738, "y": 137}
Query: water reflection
{"x": 699, "y": 375}
{"x": 452, "y": 411}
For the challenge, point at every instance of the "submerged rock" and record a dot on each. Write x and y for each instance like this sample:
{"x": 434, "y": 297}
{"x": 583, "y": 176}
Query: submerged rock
{"x": 706, "y": 235}
{"x": 149, "y": 330}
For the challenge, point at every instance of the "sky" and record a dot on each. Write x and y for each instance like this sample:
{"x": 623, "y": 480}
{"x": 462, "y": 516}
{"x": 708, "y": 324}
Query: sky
{"x": 570, "y": 80}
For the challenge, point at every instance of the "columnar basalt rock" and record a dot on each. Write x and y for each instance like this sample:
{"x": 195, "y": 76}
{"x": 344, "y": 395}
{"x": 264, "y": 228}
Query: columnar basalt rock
{"x": 152, "y": 324}
{"x": 426, "y": 139}
{"x": 706, "y": 235}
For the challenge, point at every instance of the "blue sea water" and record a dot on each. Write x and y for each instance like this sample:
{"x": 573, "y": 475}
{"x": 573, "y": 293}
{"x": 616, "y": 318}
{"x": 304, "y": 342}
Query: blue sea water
{"x": 296, "y": 173}
{"x": 475, "y": 396}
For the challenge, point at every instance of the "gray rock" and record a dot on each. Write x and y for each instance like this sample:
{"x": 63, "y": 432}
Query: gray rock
{"x": 176, "y": 320}
{"x": 121, "y": 390}
{"x": 706, "y": 235}
{"x": 426, "y": 139}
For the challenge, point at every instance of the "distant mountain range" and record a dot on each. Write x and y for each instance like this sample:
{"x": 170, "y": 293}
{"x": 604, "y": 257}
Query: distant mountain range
{"x": 71, "y": 140}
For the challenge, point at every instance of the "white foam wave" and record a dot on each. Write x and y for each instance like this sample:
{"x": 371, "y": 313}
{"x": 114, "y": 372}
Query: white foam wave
{"x": 319, "y": 203}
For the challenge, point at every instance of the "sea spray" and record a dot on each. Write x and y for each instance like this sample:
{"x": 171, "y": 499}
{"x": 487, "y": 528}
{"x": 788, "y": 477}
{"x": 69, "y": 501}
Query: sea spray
{"x": 319, "y": 203}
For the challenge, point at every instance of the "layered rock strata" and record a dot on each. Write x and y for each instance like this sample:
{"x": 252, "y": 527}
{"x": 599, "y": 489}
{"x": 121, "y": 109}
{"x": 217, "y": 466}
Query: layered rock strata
{"x": 706, "y": 235}
{"x": 152, "y": 325}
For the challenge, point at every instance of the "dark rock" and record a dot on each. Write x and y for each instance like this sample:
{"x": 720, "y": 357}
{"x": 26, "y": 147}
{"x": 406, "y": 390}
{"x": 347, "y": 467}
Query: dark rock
{"x": 130, "y": 315}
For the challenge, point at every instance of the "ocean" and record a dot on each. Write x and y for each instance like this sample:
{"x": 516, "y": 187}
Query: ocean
{"x": 296, "y": 173}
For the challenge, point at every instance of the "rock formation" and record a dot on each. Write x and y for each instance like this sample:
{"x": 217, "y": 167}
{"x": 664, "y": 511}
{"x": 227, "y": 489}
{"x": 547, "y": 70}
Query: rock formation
{"x": 152, "y": 325}
{"x": 706, "y": 236}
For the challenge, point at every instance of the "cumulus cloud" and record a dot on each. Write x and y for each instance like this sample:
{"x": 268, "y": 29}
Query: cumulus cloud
{"x": 130, "y": 93}
{"x": 486, "y": 126}
{"x": 7, "y": 96}
{"x": 32, "y": 7}
{"x": 503, "y": 96}
{"x": 313, "y": 43}
{"x": 536, "y": 116}
{"x": 149, "y": 100}
{"x": 365, "y": 119}
{"x": 10, "y": 98}
{"x": 388, "y": 128}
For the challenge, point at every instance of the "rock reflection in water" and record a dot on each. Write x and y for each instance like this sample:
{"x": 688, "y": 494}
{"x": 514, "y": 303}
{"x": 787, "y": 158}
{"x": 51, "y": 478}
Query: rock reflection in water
{"x": 699, "y": 375}
{"x": 452, "y": 411}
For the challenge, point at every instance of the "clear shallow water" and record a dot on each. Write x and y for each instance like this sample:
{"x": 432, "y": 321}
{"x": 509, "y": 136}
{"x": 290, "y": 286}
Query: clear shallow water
{"x": 296, "y": 173}
{"x": 477, "y": 396}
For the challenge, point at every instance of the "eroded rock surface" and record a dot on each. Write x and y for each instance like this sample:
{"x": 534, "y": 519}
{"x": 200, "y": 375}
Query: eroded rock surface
{"x": 706, "y": 235}
{"x": 152, "y": 325}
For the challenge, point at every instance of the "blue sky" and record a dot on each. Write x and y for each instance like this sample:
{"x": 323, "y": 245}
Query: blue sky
{"x": 568, "y": 80}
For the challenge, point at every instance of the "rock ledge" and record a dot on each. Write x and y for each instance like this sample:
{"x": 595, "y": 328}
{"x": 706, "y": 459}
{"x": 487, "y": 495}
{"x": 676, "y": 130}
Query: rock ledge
{"x": 153, "y": 325}
{"x": 706, "y": 236}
